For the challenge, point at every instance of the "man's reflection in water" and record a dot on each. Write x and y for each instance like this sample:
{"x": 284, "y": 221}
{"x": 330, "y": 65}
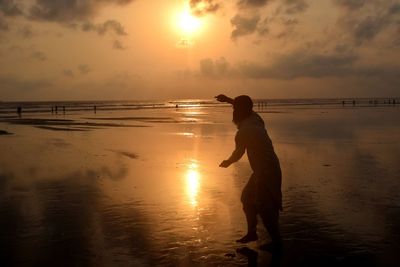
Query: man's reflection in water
{"x": 274, "y": 259}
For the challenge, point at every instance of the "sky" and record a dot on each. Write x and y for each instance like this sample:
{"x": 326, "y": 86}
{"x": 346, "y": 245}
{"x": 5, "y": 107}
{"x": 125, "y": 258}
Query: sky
{"x": 158, "y": 49}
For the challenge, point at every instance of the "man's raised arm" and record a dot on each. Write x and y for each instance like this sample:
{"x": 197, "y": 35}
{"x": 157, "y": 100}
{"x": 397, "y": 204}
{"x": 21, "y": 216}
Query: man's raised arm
{"x": 224, "y": 98}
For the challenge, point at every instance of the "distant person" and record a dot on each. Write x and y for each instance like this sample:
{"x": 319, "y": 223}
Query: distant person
{"x": 19, "y": 111}
{"x": 262, "y": 195}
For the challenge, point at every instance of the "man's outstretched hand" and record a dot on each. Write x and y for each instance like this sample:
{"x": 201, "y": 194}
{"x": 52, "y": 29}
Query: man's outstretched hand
{"x": 224, "y": 98}
{"x": 225, "y": 164}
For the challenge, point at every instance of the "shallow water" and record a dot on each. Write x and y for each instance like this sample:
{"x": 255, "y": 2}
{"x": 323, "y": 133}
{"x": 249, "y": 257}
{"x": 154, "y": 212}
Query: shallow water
{"x": 154, "y": 195}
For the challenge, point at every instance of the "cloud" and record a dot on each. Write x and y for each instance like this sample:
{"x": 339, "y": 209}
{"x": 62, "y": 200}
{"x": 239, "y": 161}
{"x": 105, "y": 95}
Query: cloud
{"x": 203, "y": 7}
{"x": 350, "y": 4}
{"x": 307, "y": 64}
{"x": 118, "y": 45}
{"x": 243, "y": 25}
{"x": 101, "y": 29}
{"x": 214, "y": 68}
{"x": 38, "y": 55}
{"x": 84, "y": 69}
{"x": 68, "y": 10}
{"x": 247, "y": 22}
{"x": 394, "y": 9}
{"x": 296, "y": 64}
{"x": 299, "y": 64}
{"x": 368, "y": 28}
{"x": 295, "y": 6}
{"x": 27, "y": 53}
{"x": 68, "y": 73}
{"x": 252, "y": 3}
{"x": 10, "y": 8}
{"x": 11, "y": 85}
{"x": 364, "y": 20}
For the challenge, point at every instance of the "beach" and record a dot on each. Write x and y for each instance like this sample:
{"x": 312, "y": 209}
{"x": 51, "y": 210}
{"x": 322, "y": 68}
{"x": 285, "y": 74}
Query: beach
{"x": 142, "y": 186}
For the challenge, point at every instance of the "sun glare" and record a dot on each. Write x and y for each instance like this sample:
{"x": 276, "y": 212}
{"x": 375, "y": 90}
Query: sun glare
{"x": 192, "y": 183}
{"x": 187, "y": 23}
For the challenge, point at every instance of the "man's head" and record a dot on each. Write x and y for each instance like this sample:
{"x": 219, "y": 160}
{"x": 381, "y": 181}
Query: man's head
{"x": 242, "y": 108}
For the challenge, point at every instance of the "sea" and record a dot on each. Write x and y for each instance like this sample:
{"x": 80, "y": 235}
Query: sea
{"x": 9, "y": 107}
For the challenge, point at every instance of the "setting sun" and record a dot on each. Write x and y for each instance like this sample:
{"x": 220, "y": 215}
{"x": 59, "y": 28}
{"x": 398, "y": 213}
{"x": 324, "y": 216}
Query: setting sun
{"x": 187, "y": 23}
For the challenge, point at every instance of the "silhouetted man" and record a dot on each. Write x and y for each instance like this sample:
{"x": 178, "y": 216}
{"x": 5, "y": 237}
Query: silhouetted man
{"x": 262, "y": 194}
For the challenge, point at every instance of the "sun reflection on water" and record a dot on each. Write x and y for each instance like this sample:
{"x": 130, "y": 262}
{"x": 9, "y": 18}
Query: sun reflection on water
{"x": 192, "y": 183}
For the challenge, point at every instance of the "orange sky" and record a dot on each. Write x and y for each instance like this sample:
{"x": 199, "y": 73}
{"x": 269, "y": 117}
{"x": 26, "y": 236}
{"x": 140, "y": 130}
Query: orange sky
{"x": 136, "y": 49}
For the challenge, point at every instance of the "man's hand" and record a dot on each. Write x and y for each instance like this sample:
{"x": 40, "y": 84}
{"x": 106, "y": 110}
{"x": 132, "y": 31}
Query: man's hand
{"x": 224, "y": 98}
{"x": 225, "y": 164}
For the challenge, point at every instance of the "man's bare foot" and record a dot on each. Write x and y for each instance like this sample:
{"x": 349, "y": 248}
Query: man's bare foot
{"x": 248, "y": 238}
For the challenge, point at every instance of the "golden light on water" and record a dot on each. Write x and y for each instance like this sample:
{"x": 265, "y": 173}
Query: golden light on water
{"x": 192, "y": 183}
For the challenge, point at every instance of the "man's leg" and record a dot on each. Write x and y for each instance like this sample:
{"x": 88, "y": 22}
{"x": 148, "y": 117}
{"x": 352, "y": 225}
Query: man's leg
{"x": 250, "y": 210}
{"x": 270, "y": 218}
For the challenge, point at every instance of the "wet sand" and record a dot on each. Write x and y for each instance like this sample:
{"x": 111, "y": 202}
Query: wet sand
{"x": 143, "y": 188}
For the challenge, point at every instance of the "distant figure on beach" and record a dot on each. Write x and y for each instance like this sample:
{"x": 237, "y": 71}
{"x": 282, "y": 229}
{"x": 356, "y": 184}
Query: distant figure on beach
{"x": 19, "y": 111}
{"x": 262, "y": 195}
{"x": 95, "y": 109}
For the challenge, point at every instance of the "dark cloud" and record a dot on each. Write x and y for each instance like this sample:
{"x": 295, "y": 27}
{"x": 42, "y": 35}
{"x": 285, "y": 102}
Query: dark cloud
{"x": 38, "y": 55}
{"x": 301, "y": 64}
{"x": 10, "y": 8}
{"x": 118, "y": 45}
{"x": 366, "y": 19}
{"x": 350, "y": 4}
{"x": 368, "y": 28}
{"x": 252, "y": 3}
{"x": 84, "y": 69}
{"x": 283, "y": 16}
{"x": 68, "y": 10}
{"x": 394, "y": 9}
{"x": 243, "y": 25}
{"x": 109, "y": 25}
{"x": 214, "y": 68}
{"x": 68, "y": 73}
{"x": 203, "y": 7}
{"x": 295, "y": 6}
{"x": 305, "y": 63}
